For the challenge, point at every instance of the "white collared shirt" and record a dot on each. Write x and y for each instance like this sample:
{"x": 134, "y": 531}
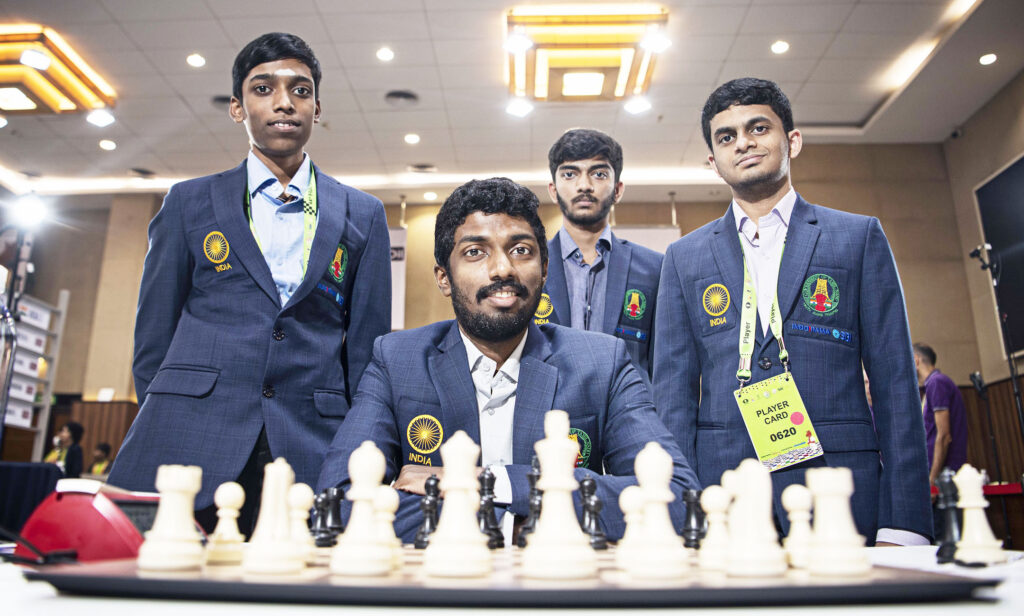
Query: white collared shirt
{"x": 762, "y": 246}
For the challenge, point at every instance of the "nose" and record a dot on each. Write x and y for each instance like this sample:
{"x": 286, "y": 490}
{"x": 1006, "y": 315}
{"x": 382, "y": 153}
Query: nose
{"x": 283, "y": 100}
{"x": 744, "y": 142}
{"x": 584, "y": 184}
{"x": 500, "y": 266}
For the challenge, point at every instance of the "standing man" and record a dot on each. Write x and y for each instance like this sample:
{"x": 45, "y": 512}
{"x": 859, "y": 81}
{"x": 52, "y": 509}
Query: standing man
{"x": 800, "y": 294}
{"x": 945, "y": 419}
{"x": 263, "y": 290}
{"x": 597, "y": 281}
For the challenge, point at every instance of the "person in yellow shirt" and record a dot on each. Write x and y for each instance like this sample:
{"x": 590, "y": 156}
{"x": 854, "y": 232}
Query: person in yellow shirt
{"x": 100, "y": 459}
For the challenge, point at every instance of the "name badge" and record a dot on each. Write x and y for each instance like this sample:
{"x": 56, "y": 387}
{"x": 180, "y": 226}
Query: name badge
{"x": 777, "y": 422}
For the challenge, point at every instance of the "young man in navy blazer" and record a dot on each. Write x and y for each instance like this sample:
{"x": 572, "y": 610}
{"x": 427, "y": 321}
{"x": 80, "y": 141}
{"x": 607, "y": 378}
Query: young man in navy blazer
{"x": 840, "y": 305}
{"x": 597, "y": 281}
{"x": 494, "y": 374}
{"x": 262, "y": 292}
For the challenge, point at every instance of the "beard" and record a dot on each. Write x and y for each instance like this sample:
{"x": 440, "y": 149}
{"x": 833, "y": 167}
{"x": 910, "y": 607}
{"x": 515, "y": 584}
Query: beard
{"x": 499, "y": 327}
{"x": 586, "y": 219}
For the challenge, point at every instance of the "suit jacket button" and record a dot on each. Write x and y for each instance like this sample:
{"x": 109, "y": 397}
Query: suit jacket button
{"x": 278, "y": 333}
{"x": 268, "y": 391}
{"x": 765, "y": 363}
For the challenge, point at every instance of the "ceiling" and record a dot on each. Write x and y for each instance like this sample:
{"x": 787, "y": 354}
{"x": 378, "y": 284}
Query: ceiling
{"x": 449, "y": 52}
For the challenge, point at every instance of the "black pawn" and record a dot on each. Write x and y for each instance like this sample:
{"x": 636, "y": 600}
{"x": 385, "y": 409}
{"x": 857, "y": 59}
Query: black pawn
{"x": 321, "y": 534}
{"x": 592, "y": 514}
{"x": 485, "y": 514}
{"x": 946, "y": 503}
{"x": 694, "y": 519}
{"x": 328, "y": 525}
{"x": 533, "y": 476}
{"x": 429, "y": 506}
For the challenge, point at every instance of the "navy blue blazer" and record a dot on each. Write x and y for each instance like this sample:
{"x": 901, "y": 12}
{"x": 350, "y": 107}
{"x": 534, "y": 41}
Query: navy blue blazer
{"x": 217, "y": 358}
{"x": 632, "y": 291}
{"x": 424, "y": 372}
{"x": 842, "y": 304}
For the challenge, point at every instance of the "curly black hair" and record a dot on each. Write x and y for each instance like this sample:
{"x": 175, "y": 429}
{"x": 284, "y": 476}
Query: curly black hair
{"x": 584, "y": 143}
{"x": 271, "y": 47}
{"x": 746, "y": 91}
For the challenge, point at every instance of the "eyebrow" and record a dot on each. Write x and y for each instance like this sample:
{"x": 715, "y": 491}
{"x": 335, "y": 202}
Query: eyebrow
{"x": 577, "y": 168}
{"x": 473, "y": 239}
{"x": 268, "y": 77}
{"x": 749, "y": 123}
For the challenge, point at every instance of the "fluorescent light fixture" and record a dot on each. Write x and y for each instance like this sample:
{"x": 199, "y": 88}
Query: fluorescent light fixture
{"x": 28, "y": 211}
{"x": 384, "y": 54}
{"x": 907, "y": 64}
{"x": 108, "y": 145}
{"x": 100, "y": 117}
{"x": 987, "y": 59}
{"x": 780, "y": 47}
{"x": 3, "y": 121}
{"x": 582, "y": 84}
{"x": 195, "y": 60}
{"x": 519, "y": 107}
{"x": 959, "y": 8}
{"x": 13, "y": 99}
{"x": 36, "y": 59}
{"x": 655, "y": 41}
{"x": 105, "y": 394}
{"x": 412, "y": 138}
{"x": 637, "y": 105}
{"x": 430, "y": 195}
{"x": 517, "y": 42}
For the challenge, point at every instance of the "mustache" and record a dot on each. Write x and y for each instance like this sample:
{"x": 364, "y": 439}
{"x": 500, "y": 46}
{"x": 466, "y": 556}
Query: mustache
{"x": 584, "y": 197}
{"x": 502, "y": 285}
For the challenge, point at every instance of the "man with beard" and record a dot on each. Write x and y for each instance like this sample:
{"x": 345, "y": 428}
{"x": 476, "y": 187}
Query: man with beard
{"x": 802, "y": 296}
{"x": 494, "y": 374}
{"x": 597, "y": 281}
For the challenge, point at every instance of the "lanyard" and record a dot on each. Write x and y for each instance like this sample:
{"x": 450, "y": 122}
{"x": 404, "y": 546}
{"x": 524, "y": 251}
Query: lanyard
{"x": 748, "y": 320}
{"x": 309, "y": 211}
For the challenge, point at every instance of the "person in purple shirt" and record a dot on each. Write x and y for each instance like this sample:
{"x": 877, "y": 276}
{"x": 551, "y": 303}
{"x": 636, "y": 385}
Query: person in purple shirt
{"x": 945, "y": 420}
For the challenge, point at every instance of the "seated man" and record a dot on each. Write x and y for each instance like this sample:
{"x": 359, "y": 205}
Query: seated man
{"x": 494, "y": 374}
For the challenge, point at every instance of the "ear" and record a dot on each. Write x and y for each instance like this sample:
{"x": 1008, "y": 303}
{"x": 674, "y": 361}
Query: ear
{"x": 443, "y": 283}
{"x": 316, "y": 112}
{"x": 552, "y": 192}
{"x": 714, "y": 165}
{"x": 620, "y": 189}
{"x": 796, "y": 143}
{"x": 236, "y": 111}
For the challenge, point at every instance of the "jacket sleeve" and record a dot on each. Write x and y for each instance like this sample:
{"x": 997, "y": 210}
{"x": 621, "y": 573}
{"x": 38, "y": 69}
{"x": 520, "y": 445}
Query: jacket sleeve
{"x": 166, "y": 283}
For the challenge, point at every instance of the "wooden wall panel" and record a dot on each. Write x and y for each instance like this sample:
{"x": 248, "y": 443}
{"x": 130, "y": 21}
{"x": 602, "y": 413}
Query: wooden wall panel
{"x": 1006, "y": 429}
{"x": 103, "y": 422}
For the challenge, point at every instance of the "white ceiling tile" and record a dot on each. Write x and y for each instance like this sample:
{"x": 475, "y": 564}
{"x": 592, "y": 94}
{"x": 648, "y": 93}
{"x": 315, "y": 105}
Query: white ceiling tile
{"x": 336, "y": 140}
{"x": 483, "y": 117}
{"x": 775, "y": 69}
{"x": 679, "y": 101}
{"x": 170, "y": 34}
{"x": 489, "y": 136}
{"x": 309, "y": 28}
{"x": 796, "y": 18}
{"x": 145, "y": 83}
{"x": 695, "y": 73}
{"x": 133, "y": 10}
{"x": 407, "y": 53}
{"x": 362, "y": 6}
{"x": 469, "y": 76}
{"x": 430, "y": 140}
{"x": 851, "y": 92}
{"x": 87, "y": 39}
{"x": 261, "y": 8}
{"x": 208, "y": 83}
{"x": 801, "y": 46}
{"x": 393, "y": 78}
{"x": 864, "y": 45}
{"x": 705, "y": 20}
{"x": 887, "y": 18}
{"x": 467, "y": 24}
{"x": 630, "y": 130}
{"x": 831, "y": 113}
{"x": 342, "y": 120}
{"x": 373, "y": 100}
{"x": 338, "y": 100}
{"x": 856, "y": 71}
{"x": 495, "y": 152}
{"x": 493, "y": 97}
{"x": 470, "y": 51}
{"x": 691, "y": 48}
{"x": 59, "y": 13}
{"x": 405, "y": 120}
{"x": 379, "y": 28}
{"x": 170, "y": 61}
{"x": 21, "y": 126}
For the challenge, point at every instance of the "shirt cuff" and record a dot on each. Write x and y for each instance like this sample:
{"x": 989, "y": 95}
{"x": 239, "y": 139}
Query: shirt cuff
{"x": 502, "y": 485}
{"x": 901, "y": 537}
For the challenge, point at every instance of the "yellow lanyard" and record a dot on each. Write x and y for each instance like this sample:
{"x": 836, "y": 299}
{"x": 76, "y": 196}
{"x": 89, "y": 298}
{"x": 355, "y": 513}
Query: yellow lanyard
{"x": 309, "y": 211}
{"x": 748, "y": 320}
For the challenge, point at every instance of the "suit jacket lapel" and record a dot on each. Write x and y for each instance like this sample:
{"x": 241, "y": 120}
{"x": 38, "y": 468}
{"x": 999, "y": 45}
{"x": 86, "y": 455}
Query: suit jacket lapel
{"x": 618, "y": 275}
{"x": 728, "y": 256}
{"x": 332, "y": 211}
{"x": 535, "y": 395}
{"x": 228, "y": 198}
{"x": 801, "y": 238}
{"x": 449, "y": 371}
{"x": 556, "y": 286}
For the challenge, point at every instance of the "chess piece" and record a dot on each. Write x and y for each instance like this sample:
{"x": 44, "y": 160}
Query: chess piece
{"x": 486, "y": 518}
{"x": 322, "y": 535}
{"x": 300, "y": 499}
{"x": 836, "y": 548}
{"x": 658, "y": 553}
{"x": 592, "y": 506}
{"x": 334, "y": 522}
{"x": 946, "y": 503}
{"x": 977, "y": 543}
{"x": 797, "y": 500}
{"x": 457, "y": 548}
{"x": 224, "y": 546}
{"x": 385, "y": 505}
{"x": 754, "y": 549}
{"x": 694, "y": 523}
{"x": 535, "y": 502}
{"x": 271, "y": 550}
{"x": 558, "y": 548}
{"x": 714, "y": 548}
{"x": 632, "y": 505}
{"x": 428, "y": 505}
{"x": 173, "y": 544}
{"x": 359, "y": 551}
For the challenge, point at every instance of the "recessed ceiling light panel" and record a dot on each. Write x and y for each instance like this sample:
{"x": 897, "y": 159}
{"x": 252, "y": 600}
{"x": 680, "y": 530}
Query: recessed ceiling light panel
{"x": 987, "y": 59}
{"x": 385, "y": 54}
{"x": 100, "y": 117}
{"x": 196, "y": 60}
{"x": 637, "y": 105}
{"x": 582, "y": 84}
{"x": 780, "y": 47}
{"x": 412, "y": 138}
{"x": 430, "y": 196}
{"x": 13, "y": 99}
{"x": 36, "y": 59}
{"x": 519, "y": 107}
{"x": 108, "y": 145}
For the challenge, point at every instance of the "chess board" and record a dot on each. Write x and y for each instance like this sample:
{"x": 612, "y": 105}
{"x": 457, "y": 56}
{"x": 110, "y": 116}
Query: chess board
{"x": 505, "y": 587}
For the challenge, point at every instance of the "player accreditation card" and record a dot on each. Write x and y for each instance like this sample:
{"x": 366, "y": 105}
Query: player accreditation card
{"x": 777, "y": 422}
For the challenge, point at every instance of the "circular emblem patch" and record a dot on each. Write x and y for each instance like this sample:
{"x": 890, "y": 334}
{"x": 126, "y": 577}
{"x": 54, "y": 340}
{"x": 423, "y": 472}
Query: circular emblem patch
{"x": 635, "y": 304}
{"x": 716, "y": 300}
{"x": 424, "y": 434}
{"x": 582, "y": 439}
{"x": 339, "y": 263}
{"x": 545, "y": 307}
{"x": 215, "y": 247}
{"x": 821, "y": 294}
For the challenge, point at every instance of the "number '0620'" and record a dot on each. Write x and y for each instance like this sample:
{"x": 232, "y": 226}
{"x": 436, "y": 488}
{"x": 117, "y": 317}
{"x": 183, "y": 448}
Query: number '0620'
{"x": 778, "y": 436}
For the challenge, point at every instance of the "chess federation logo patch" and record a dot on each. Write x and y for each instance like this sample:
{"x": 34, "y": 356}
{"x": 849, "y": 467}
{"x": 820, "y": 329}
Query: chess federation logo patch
{"x": 820, "y": 294}
{"x": 716, "y": 300}
{"x": 424, "y": 434}
{"x": 338, "y": 264}
{"x": 215, "y": 247}
{"x": 544, "y": 309}
{"x": 582, "y": 440}
{"x": 635, "y": 304}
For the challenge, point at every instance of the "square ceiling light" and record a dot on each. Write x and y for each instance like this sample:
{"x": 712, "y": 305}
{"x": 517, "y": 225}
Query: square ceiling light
{"x": 583, "y": 52}
{"x": 37, "y": 62}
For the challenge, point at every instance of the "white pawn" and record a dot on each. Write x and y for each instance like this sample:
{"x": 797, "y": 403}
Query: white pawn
{"x": 836, "y": 547}
{"x": 271, "y": 550}
{"x": 359, "y": 552}
{"x": 713, "y": 554}
{"x": 457, "y": 548}
{"x": 977, "y": 543}
{"x": 754, "y": 549}
{"x": 658, "y": 552}
{"x": 225, "y": 544}
{"x": 385, "y": 505}
{"x": 797, "y": 500}
{"x": 631, "y": 502}
{"x": 173, "y": 543}
{"x": 300, "y": 501}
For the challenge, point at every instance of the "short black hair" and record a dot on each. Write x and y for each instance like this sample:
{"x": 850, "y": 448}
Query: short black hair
{"x": 926, "y": 352}
{"x": 492, "y": 196}
{"x": 746, "y": 91}
{"x": 584, "y": 143}
{"x": 105, "y": 448}
{"x": 271, "y": 47}
{"x": 76, "y": 430}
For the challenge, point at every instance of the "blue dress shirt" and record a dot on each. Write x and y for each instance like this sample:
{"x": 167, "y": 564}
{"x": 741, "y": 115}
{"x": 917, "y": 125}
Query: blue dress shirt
{"x": 587, "y": 282}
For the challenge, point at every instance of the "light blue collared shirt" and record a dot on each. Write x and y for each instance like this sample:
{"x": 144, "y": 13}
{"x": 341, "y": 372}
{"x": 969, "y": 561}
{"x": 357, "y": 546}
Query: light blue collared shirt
{"x": 279, "y": 225}
{"x": 587, "y": 282}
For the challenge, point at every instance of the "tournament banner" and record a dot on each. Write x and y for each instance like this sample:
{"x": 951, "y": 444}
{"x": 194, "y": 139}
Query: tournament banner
{"x": 655, "y": 237}
{"x": 397, "y": 278}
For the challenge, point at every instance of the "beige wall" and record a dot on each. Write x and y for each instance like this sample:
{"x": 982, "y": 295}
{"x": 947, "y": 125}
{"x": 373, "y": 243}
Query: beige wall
{"x": 992, "y": 138}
